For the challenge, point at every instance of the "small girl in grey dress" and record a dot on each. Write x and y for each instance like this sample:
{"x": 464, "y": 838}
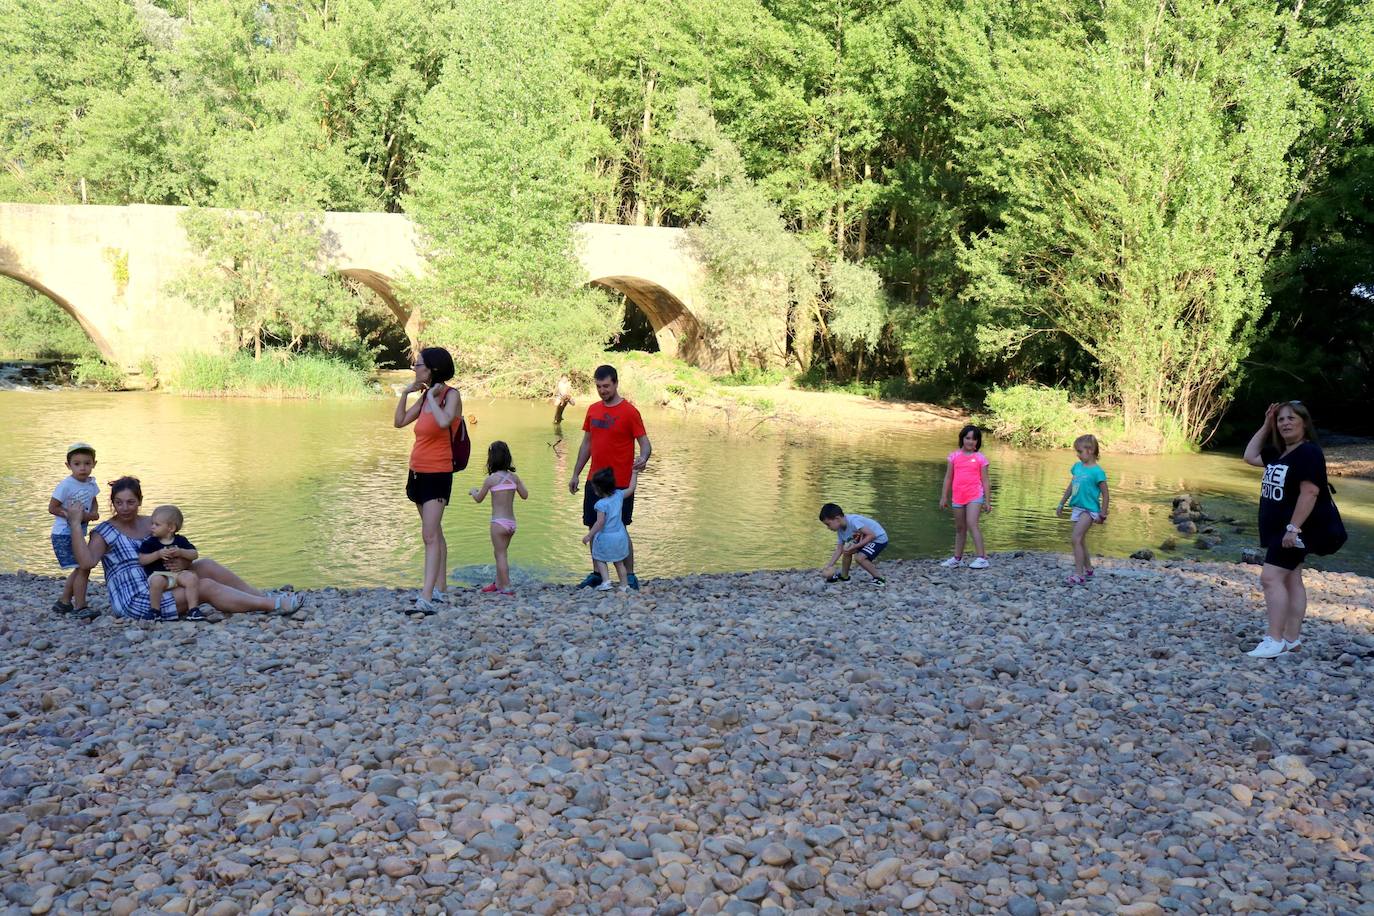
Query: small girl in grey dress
{"x": 608, "y": 537}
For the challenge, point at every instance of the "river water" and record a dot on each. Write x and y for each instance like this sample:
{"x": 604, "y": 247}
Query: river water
{"x": 311, "y": 493}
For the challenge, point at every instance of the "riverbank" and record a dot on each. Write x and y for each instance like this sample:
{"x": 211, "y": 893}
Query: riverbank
{"x": 957, "y": 742}
{"x": 1353, "y": 460}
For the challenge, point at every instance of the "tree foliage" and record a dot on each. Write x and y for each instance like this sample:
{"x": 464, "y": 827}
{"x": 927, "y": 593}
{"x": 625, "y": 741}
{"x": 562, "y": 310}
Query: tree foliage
{"x": 267, "y": 268}
{"x": 500, "y": 144}
{"x": 1145, "y": 202}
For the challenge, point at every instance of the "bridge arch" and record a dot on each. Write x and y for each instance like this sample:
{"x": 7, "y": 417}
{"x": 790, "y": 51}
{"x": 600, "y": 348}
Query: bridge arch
{"x": 383, "y": 286}
{"x": 101, "y": 344}
{"x": 679, "y": 332}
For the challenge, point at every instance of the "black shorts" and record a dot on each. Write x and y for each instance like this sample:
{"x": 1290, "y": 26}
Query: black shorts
{"x": 1285, "y": 557}
{"x": 421, "y": 487}
{"x": 873, "y": 548}
{"x": 627, "y": 509}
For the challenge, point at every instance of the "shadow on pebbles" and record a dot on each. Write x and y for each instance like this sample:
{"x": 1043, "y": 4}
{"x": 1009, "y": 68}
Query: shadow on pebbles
{"x": 972, "y": 742}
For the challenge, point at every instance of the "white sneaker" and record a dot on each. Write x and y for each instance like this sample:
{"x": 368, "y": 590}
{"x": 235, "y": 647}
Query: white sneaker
{"x": 980, "y": 563}
{"x": 953, "y": 563}
{"x": 1270, "y": 648}
{"x": 1291, "y": 644}
{"x": 605, "y": 586}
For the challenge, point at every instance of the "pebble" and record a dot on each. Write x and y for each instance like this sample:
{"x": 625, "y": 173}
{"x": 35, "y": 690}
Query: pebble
{"x": 713, "y": 744}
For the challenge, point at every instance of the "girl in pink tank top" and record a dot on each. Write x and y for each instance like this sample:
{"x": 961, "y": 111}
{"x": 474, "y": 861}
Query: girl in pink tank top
{"x": 966, "y": 482}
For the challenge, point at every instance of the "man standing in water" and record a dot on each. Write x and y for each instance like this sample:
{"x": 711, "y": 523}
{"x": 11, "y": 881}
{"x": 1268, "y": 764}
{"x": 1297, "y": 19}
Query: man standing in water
{"x": 609, "y": 434}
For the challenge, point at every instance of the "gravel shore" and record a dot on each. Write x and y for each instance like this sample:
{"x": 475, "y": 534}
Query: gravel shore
{"x": 971, "y": 742}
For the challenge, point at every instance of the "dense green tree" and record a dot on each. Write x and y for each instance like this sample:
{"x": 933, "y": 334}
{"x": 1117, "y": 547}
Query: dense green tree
{"x": 501, "y": 145}
{"x": 267, "y": 268}
{"x": 60, "y": 63}
{"x": 1140, "y": 202}
{"x": 1141, "y": 157}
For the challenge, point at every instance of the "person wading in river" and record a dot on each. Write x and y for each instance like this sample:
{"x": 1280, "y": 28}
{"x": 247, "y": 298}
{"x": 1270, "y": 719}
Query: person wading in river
{"x": 609, "y": 433}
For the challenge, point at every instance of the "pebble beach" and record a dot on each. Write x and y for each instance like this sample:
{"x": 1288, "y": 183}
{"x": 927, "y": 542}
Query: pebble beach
{"x": 958, "y": 742}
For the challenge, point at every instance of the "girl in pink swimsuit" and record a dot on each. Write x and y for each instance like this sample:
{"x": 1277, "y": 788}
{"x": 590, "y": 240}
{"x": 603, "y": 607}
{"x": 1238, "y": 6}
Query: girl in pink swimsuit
{"x": 502, "y": 483}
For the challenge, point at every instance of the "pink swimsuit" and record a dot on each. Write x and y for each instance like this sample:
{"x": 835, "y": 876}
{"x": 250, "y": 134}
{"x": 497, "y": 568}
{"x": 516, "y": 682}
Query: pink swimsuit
{"x": 505, "y": 524}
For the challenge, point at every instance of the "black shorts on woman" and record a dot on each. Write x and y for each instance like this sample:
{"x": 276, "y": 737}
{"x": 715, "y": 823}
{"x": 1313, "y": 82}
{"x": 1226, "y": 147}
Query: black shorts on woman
{"x": 422, "y": 486}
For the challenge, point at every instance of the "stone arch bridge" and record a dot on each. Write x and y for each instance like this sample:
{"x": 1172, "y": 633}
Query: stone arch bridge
{"x": 110, "y": 269}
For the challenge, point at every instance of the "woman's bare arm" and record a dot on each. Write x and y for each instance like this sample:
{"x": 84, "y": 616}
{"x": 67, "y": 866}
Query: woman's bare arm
{"x": 444, "y": 414}
{"x": 1261, "y": 436}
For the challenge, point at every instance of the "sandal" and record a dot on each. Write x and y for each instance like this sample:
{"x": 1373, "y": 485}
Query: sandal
{"x": 287, "y": 604}
{"x": 1075, "y": 580}
{"x": 489, "y": 589}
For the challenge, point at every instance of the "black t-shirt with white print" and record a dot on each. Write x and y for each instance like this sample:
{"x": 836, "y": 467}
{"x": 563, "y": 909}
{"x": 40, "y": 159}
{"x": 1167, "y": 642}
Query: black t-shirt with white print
{"x": 1279, "y": 492}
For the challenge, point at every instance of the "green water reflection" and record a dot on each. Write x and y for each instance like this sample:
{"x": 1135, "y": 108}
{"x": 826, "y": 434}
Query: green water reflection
{"x": 311, "y": 493}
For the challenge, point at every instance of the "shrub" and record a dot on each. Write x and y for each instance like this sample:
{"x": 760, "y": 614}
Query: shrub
{"x": 93, "y": 372}
{"x": 1035, "y": 416}
{"x": 749, "y": 374}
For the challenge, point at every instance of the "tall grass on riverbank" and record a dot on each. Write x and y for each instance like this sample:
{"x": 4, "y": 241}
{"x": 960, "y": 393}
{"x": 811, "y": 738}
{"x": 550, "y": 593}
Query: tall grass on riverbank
{"x": 277, "y": 374}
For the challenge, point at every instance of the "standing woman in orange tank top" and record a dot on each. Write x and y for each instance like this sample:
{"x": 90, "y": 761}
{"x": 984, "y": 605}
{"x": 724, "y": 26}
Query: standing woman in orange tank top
{"x": 430, "y": 481}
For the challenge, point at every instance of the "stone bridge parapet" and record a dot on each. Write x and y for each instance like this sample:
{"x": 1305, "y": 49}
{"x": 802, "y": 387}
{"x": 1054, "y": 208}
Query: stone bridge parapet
{"x": 110, "y": 268}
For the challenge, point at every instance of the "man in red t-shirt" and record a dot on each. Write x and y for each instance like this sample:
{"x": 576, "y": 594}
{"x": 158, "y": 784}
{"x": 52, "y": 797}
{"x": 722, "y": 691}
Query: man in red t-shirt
{"x": 609, "y": 434}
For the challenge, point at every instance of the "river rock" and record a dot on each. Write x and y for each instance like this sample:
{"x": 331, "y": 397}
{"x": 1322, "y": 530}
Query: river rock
{"x": 717, "y": 743}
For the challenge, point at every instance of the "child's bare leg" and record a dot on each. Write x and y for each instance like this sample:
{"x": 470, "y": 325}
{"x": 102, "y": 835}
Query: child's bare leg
{"x": 191, "y": 582}
{"x": 69, "y": 587}
{"x": 960, "y": 530}
{"x": 500, "y": 544}
{"x": 868, "y": 565}
{"x": 78, "y": 580}
{"x": 601, "y": 570}
{"x": 156, "y": 585}
{"x": 971, "y": 513}
{"x": 1080, "y": 546}
{"x": 620, "y": 571}
{"x": 844, "y": 564}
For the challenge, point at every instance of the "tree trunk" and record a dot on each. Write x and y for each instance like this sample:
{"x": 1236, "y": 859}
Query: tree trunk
{"x": 863, "y": 218}
{"x": 645, "y": 129}
{"x": 838, "y": 181}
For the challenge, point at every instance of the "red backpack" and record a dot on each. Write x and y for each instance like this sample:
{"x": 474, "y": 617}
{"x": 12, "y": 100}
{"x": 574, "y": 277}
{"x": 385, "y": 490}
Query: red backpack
{"x": 459, "y": 441}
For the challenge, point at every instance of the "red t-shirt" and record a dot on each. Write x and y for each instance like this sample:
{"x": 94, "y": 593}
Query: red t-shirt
{"x": 613, "y": 433}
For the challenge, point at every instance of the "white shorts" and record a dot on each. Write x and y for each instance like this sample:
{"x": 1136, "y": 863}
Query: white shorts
{"x": 1079, "y": 513}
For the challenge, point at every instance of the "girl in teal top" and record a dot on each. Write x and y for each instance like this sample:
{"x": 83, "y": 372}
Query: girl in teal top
{"x": 1087, "y": 495}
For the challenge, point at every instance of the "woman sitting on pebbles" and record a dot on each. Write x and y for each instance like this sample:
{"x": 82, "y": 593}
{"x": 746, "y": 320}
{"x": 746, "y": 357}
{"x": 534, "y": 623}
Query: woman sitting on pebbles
{"x": 1294, "y": 476}
{"x": 114, "y": 544}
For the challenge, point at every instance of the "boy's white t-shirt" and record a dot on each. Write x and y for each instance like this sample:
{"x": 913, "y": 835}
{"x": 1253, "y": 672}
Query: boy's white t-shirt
{"x": 71, "y": 489}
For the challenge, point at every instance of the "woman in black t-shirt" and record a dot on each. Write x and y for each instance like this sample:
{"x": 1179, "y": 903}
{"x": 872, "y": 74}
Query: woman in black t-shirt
{"x": 1294, "y": 476}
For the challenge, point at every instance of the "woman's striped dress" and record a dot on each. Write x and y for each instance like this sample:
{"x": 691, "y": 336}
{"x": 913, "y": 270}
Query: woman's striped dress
{"x": 126, "y": 580}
